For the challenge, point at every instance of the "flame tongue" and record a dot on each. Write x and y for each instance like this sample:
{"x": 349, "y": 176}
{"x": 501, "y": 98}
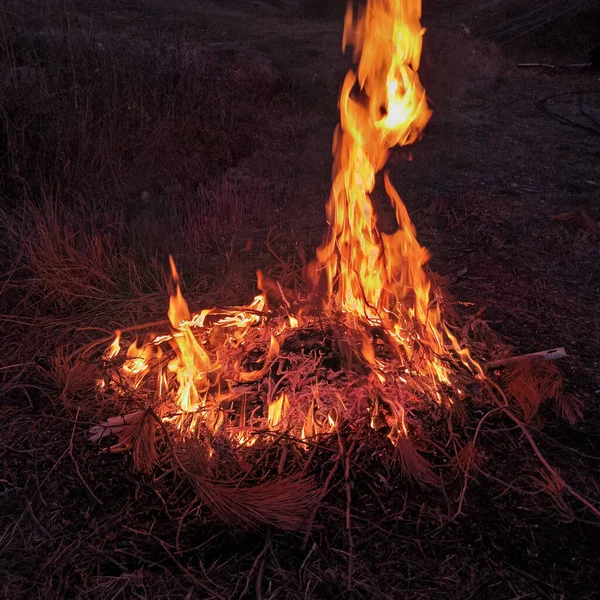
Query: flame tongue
{"x": 367, "y": 274}
{"x": 178, "y": 308}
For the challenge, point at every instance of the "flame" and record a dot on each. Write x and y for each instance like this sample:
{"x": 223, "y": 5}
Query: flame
{"x": 372, "y": 280}
{"x": 192, "y": 363}
{"x": 309, "y": 427}
{"x": 137, "y": 364}
{"x": 369, "y": 274}
{"x": 330, "y": 424}
{"x": 178, "y": 308}
{"x": 277, "y": 411}
{"x": 398, "y": 426}
{"x": 114, "y": 349}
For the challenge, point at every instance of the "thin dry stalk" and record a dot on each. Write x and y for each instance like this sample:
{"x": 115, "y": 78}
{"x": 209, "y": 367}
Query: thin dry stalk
{"x": 552, "y": 472}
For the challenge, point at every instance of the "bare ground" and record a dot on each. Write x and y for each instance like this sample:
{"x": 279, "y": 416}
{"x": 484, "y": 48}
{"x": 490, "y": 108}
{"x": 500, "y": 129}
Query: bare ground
{"x": 131, "y": 130}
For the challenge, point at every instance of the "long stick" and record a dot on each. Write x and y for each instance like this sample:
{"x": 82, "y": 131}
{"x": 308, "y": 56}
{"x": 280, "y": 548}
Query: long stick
{"x": 552, "y": 354}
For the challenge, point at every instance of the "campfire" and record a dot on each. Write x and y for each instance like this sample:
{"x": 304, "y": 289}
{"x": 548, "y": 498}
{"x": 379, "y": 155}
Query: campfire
{"x": 364, "y": 346}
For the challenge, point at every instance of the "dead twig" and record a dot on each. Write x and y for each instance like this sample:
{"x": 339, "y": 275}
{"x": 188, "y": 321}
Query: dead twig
{"x": 263, "y": 558}
{"x": 552, "y": 472}
{"x": 41, "y": 528}
{"x": 82, "y": 479}
{"x": 585, "y": 65}
{"x": 324, "y": 492}
{"x": 552, "y": 354}
{"x": 470, "y": 459}
{"x": 348, "y": 512}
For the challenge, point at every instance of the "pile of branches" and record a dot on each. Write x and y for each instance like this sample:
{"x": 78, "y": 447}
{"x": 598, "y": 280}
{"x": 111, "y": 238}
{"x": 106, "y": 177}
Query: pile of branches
{"x": 250, "y": 476}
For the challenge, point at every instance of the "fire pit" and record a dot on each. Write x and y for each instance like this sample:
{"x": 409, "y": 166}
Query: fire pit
{"x": 365, "y": 350}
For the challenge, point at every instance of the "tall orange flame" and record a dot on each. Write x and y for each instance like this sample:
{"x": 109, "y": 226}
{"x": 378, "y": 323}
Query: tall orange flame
{"x": 192, "y": 363}
{"x": 370, "y": 274}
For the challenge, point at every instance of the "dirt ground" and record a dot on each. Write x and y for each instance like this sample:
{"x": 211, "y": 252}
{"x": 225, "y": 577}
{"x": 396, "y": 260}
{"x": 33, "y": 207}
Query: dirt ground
{"x": 131, "y": 130}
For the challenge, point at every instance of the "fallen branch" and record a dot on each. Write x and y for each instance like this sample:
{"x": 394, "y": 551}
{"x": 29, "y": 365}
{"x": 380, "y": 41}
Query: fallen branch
{"x": 585, "y": 65}
{"x": 114, "y": 425}
{"x": 552, "y": 354}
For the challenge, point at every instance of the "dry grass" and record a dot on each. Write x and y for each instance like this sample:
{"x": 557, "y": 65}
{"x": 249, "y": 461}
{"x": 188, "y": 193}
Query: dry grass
{"x": 117, "y": 149}
{"x": 534, "y": 382}
{"x": 87, "y": 111}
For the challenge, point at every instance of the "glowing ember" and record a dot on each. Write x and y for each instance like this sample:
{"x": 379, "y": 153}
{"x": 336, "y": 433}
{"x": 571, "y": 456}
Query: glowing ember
{"x": 375, "y": 342}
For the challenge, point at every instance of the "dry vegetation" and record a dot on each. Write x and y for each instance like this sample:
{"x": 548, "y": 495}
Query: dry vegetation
{"x": 134, "y": 129}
